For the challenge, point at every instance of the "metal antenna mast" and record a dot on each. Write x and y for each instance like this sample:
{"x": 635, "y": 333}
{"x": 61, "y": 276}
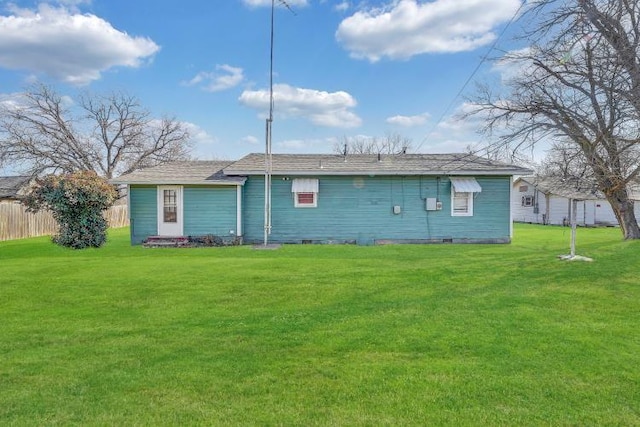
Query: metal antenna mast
{"x": 268, "y": 159}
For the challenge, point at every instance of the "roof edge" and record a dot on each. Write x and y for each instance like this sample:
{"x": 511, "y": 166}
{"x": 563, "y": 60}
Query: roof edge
{"x": 234, "y": 181}
{"x": 321, "y": 172}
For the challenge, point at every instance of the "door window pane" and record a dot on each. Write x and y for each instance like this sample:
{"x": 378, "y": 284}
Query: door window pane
{"x": 170, "y": 206}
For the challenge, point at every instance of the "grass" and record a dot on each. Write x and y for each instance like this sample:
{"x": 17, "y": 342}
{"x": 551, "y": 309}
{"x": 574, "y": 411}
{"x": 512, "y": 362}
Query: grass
{"x": 322, "y": 335}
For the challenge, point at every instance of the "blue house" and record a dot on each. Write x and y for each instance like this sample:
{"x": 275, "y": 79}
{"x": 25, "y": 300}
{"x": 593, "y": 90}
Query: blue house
{"x": 324, "y": 198}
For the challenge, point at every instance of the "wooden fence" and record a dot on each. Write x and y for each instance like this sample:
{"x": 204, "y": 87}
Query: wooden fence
{"x": 17, "y": 223}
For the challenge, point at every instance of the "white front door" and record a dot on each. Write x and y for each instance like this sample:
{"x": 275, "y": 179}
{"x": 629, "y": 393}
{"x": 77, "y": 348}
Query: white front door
{"x": 170, "y": 218}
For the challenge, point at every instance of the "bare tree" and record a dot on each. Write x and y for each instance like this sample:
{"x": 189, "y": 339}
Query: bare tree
{"x": 580, "y": 80}
{"x": 391, "y": 143}
{"x": 566, "y": 161}
{"x": 109, "y": 135}
{"x": 501, "y": 153}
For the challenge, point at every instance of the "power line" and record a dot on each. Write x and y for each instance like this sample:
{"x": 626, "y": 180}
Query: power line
{"x": 473, "y": 73}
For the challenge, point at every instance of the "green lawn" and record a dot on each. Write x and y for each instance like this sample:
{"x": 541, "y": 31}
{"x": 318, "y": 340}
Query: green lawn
{"x": 322, "y": 335}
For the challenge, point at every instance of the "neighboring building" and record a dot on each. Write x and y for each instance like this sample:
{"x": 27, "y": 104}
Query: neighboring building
{"x": 548, "y": 201}
{"x": 364, "y": 199}
{"x": 13, "y": 188}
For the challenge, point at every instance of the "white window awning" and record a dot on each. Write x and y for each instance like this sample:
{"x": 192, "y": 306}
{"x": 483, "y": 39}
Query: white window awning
{"x": 465, "y": 185}
{"x": 304, "y": 185}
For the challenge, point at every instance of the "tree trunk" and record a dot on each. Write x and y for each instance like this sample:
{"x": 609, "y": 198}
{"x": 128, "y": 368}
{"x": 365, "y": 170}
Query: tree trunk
{"x": 623, "y": 208}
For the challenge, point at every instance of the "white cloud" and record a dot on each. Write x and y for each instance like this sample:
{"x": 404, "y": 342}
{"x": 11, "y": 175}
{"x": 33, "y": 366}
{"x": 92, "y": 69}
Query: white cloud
{"x": 461, "y": 132}
{"x": 515, "y": 64}
{"x": 225, "y": 77}
{"x": 251, "y": 140}
{"x": 197, "y": 135}
{"x": 457, "y": 132}
{"x": 203, "y": 142}
{"x": 280, "y": 3}
{"x": 409, "y": 121}
{"x": 12, "y": 101}
{"x": 293, "y": 145}
{"x": 320, "y": 107}
{"x": 407, "y": 28}
{"x": 462, "y": 122}
{"x": 68, "y": 46}
{"x": 342, "y": 6}
{"x": 73, "y": 4}
{"x": 310, "y": 145}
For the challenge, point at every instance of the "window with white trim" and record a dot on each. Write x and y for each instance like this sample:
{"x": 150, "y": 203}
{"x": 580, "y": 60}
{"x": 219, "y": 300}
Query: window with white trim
{"x": 305, "y": 192}
{"x": 461, "y": 203}
{"x": 527, "y": 201}
{"x": 462, "y": 195}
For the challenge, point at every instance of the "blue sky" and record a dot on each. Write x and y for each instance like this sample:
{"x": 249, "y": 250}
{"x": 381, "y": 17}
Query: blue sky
{"x": 342, "y": 69}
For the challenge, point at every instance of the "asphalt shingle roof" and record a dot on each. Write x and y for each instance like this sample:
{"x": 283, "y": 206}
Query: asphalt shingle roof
{"x": 229, "y": 172}
{"x": 569, "y": 188}
{"x": 184, "y": 172}
{"x": 356, "y": 164}
{"x": 10, "y": 186}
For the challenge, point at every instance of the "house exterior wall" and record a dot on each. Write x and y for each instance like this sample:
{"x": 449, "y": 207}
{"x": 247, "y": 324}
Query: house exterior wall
{"x": 360, "y": 209}
{"x": 534, "y": 214}
{"x": 604, "y": 213}
{"x": 210, "y": 210}
{"x": 594, "y": 212}
{"x": 558, "y": 209}
{"x": 207, "y": 210}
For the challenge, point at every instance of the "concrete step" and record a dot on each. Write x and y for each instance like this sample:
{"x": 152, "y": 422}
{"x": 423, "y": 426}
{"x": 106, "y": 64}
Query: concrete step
{"x": 166, "y": 242}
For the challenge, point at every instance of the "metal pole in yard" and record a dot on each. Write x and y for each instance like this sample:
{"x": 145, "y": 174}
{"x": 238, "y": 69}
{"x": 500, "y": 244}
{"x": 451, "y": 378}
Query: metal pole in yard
{"x": 574, "y": 216}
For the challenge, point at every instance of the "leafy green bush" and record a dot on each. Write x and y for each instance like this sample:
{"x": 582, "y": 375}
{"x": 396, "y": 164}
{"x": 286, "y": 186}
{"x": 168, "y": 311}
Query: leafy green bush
{"x": 77, "y": 202}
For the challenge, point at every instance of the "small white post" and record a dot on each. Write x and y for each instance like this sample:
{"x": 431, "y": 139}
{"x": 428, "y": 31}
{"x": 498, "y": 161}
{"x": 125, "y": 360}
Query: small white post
{"x": 574, "y": 225}
{"x": 574, "y": 217}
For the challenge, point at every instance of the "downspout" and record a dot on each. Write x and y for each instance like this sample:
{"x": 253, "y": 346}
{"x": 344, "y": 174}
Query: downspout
{"x": 239, "y": 210}
{"x": 511, "y": 208}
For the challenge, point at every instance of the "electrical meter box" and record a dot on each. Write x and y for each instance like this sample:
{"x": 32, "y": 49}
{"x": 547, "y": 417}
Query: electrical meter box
{"x": 432, "y": 204}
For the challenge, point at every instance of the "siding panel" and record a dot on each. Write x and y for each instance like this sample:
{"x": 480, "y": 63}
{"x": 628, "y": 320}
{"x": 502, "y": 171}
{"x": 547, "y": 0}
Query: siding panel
{"x": 144, "y": 212}
{"x": 361, "y": 209}
{"x": 210, "y": 210}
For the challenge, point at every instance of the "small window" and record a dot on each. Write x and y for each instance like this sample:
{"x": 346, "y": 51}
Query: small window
{"x": 461, "y": 203}
{"x": 306, "y": 200}
{"x": 305, "y": 192}
{"x": 527, "y": 201}
{"x": 523, "y": 188}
